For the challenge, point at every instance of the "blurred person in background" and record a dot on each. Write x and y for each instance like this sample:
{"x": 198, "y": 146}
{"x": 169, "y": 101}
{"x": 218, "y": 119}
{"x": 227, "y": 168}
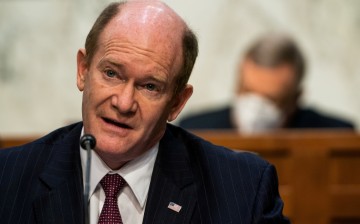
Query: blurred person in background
{"x": 267, "y": 93}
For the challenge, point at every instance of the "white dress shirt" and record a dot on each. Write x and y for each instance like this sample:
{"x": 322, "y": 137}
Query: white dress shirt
{"x": 132, "y": 198}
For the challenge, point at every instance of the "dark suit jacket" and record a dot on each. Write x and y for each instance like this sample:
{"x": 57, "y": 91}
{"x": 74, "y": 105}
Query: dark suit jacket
{"x": 41, "y": 182}
{"x": 302, "y": 118}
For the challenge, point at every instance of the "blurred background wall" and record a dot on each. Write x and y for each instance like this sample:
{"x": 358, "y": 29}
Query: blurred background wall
{"x": 39, "y": 40}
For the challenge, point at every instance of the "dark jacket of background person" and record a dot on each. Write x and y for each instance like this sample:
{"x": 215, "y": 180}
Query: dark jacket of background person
{"x": 302, "y": 118}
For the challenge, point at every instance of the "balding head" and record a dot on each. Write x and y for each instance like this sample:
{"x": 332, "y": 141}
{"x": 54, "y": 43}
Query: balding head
{"x": 148, "y": 22}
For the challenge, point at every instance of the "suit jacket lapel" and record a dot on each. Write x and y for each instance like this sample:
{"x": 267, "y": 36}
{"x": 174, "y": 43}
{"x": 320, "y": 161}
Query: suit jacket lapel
{"x": 172, "y": 181}
{"x": 62, "y": 201}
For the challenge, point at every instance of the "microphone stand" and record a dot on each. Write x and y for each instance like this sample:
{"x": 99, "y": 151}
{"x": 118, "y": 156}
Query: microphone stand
{"x": 88, "y": 143}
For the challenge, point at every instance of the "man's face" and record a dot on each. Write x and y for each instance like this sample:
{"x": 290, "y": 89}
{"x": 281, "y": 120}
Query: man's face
{"x": 128, "y": 89}
{"x": 278, "y": 83}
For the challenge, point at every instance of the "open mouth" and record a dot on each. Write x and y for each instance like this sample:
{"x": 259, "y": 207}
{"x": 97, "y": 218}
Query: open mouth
{"x": 118, "y": 124}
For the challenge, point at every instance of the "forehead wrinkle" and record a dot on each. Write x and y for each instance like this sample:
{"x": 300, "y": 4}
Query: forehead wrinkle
{"x": 127, "y": 47}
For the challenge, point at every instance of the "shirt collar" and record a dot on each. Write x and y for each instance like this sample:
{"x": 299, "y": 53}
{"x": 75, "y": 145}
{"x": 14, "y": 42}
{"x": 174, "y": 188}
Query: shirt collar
{"x": 137, "y": 173}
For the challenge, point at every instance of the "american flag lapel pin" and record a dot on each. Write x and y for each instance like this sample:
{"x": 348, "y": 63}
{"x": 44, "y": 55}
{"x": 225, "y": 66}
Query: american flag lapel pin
{"x": 175, "y": 207}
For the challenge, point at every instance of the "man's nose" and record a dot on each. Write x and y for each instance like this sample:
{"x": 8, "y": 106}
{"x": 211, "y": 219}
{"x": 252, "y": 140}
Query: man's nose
{"x": 123, "y": 98}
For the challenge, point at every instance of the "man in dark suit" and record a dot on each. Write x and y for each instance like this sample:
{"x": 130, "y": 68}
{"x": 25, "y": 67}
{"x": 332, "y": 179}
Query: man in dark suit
{"x": 133, "y": 73}
{"x": 268, "y": 93}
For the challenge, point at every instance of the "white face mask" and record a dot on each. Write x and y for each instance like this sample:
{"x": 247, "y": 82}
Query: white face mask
{"x": 253, "y": 113}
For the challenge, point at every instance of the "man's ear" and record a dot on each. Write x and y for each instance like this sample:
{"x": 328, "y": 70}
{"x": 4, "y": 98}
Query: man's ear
{"x": 290, "y": 105}
{"x": 82, "y": 69}
{"x": 179, "y": 102}
{"x": 243, "y": 67}
{"x": 298, "y": 95}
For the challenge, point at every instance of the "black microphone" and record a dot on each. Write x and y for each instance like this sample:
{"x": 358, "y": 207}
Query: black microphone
{"x": 88, "y": 143}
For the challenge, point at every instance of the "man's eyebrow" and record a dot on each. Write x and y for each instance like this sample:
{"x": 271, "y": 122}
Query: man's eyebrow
{"x": 157, "y": 79}
{"x": 149, "y": 76}
{"x": 103, "y": 62}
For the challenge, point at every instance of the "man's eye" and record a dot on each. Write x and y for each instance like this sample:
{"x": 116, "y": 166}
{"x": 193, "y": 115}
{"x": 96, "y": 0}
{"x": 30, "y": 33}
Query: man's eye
{"x": 110, "y": 73}
{"x": 150, "y": 87}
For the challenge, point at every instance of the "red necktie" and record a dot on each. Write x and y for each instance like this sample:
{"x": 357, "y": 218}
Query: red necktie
{"x": 112, "y": 184}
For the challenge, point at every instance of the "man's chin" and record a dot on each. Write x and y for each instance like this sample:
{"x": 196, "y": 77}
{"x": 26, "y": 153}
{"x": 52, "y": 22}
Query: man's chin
{"x": 111, "y": 148}
{"x": 113, "y": 156}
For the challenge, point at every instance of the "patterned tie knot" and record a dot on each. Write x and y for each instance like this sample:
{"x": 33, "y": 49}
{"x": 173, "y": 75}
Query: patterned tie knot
{"x": 112, "y": 184}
